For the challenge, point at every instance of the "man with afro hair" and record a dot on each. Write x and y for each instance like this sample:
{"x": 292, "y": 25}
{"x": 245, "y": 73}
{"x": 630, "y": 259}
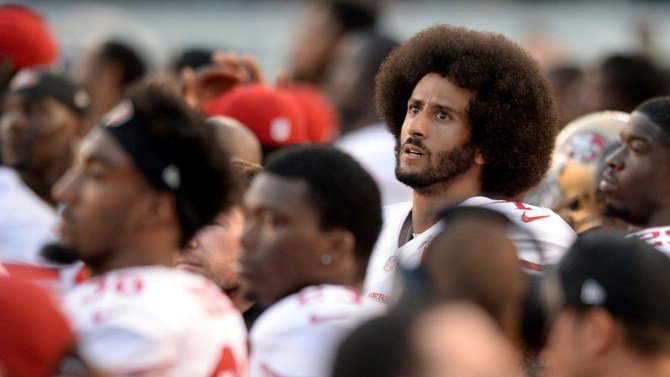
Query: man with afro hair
{"x": 474, "y": 124}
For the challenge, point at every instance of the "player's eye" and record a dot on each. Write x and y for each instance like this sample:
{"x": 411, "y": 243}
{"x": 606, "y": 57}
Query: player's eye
{"x": 442, "y": 115}
{"x": 94, "y": 173}
{"x": 636, "y": 146}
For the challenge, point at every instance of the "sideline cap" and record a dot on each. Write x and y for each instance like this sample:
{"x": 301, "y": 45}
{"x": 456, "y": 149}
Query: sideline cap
{"x": 625, "y": 276}
{"x": 25, "y": 39}
{"x": 37, "y": 83}
{"x": 320, "y": 115}
{"x": 275, "y": 117}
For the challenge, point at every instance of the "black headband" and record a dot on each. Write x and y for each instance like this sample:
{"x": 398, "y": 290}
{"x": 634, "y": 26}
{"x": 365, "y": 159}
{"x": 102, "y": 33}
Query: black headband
{"x": 127, "y": 127}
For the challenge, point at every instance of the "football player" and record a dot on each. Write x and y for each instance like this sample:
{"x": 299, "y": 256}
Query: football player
{"x": 636, "y": 182}
{"x": 473, "y": 121}
{"x": 608, "y": 309}
{"x": 571, "y": 187}
{"x": 214, "y": 250}
{"x": 142, "y": 183}
{"x": 311, "y": 219}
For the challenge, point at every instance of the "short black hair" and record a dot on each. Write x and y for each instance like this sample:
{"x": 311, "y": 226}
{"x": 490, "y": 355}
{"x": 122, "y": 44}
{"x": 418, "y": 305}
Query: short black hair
{"x": 562, "y": 76}
{"x": 658, "y": 110}
{"x": 513, "y": 115}
{"x": 130, "y": 62}
{"x": 354, "y": 15}
{"x": 343, "y": 193}
{"x": 207, "y": 182}
{"x": 194, "y": 57}
{"x": 630, "y": 79}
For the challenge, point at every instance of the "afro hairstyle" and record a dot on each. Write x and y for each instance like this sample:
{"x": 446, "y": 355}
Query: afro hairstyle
{"x": 513, "y": 115}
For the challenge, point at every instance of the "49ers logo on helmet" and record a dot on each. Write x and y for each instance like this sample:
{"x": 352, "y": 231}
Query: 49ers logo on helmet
{"x": 584, "y": 147}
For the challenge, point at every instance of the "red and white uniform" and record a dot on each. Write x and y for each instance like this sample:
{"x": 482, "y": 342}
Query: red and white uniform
{"x": 55, "y": 278}
{"x": 659, "y": 237}
{"x": 299, "y": 334}
{"x": 536, "y": 226}
{"x": 157, "y": 321}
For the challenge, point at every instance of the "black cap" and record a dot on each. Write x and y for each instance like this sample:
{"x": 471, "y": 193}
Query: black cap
{"x": 37, "y": 83}
{"x": 625, "y": 276}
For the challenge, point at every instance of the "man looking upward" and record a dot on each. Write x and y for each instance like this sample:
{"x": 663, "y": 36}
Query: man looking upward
{"x": 472, "y": 116}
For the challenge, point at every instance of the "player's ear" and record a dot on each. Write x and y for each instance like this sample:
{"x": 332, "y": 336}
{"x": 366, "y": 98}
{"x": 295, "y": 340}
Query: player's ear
{"x": 160, "y": 208}
{"x": 342, "y": 243}
{"x": 600, "y": 331}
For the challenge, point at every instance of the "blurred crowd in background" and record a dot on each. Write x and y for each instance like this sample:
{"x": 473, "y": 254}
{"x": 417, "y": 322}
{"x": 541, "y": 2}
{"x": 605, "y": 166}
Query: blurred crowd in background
{"x": 255, "y": 143}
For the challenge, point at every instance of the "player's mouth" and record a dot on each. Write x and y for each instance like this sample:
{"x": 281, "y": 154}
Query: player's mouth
{"x": 608, "y": 182}
{"x": 413, "y": 152}
{"x": 64, "y": 224}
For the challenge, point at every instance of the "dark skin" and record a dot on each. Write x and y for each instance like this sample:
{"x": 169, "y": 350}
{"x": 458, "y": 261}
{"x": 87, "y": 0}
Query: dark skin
{"x": 636, "y": 182}
{"x": 283, "y": 243}
{"x": 111, "y": 215}
{"x": 6, "y": 73}
{"x": 37, "y": 136}
{"x": 102, "y": 80}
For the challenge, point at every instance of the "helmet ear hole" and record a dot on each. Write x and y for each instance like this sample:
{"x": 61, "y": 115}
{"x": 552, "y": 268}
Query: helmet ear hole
{"x": 574, "y": 204}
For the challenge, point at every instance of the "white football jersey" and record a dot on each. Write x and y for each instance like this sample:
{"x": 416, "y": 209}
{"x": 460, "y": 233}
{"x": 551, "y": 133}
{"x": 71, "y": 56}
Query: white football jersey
{"x": 299, "y": 334}
{"x": 26, "y": 222}
{"x": 157, "y": 321}
{"x": 535, "y": 227}
{"x": 658, "y": 237}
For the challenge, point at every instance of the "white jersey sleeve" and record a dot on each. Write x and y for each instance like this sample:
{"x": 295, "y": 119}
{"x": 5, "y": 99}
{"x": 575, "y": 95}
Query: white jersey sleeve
{"x": 157, "y": 321}
{"x": 298, "y": 335}
{"x": 540, "y": 236}
{"x": 659, "y": 237}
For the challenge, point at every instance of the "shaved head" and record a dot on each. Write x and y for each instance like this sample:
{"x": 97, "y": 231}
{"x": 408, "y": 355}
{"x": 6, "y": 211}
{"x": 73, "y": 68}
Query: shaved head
{"x": 237, "y": 139}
